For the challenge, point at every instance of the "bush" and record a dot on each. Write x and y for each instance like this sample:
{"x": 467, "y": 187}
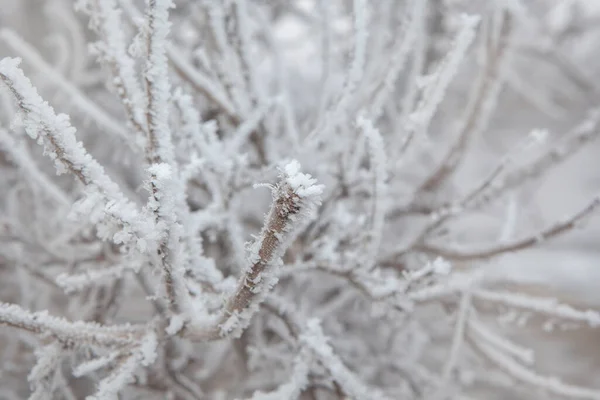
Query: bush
{"x": 378, "y": 128}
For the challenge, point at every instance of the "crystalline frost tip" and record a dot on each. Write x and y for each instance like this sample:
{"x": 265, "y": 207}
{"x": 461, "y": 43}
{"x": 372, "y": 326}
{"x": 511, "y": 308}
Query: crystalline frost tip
{"x": 304, "y": 185}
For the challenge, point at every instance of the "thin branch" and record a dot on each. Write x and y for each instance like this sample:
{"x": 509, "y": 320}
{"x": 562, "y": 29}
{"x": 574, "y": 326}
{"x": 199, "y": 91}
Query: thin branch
{"x": 77, "y": 332}
{"x": 454, "y": 253}
{"x": 159, "y": 147}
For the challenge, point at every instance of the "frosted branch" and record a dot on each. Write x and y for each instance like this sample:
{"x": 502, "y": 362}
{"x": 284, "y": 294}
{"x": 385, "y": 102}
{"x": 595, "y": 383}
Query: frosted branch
{"x": 378, "y": 162}
{"x": 159, "y": 148}
{"x": 547, "y": 306}
{"x": 437, "y": 84}
{"x": 66, "y": 331}
{"x": 351, "y": 384}
{"x": 295, "y": 199}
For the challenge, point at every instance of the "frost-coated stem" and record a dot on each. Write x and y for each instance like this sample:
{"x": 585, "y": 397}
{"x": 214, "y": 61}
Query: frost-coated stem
{"x": 293, "y": 388}
{"x": 160, "y": 147}
{"x": 410, "y": 30}
{"x": 163, "y": 203}
{"x": 436, "y": 85}
{"x": 64, "y": 330}
{"x": 296, "y": 197}
{"x": 143, "y": 355}
{"x": 40, "y": 376}
{"x": 458, "y": 339}
{"x": 378, "y": 165}
{"x": 541, "y": 305}
{"x": 202, "y": 83}
{"x": 478, "y": 331}
{"x": 166, "y": 200}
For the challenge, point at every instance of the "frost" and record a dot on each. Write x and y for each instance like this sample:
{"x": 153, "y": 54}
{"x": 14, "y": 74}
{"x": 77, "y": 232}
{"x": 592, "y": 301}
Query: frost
{"x": 148, "y": 349}
{"x": 134, "y": 250}
{"x": 230, "y": 323}
{"x": 441, "y": 266}
{"x": 93, "y": 365}
{"x": 304, "y": 185}
{"x": 175, "y": 324}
